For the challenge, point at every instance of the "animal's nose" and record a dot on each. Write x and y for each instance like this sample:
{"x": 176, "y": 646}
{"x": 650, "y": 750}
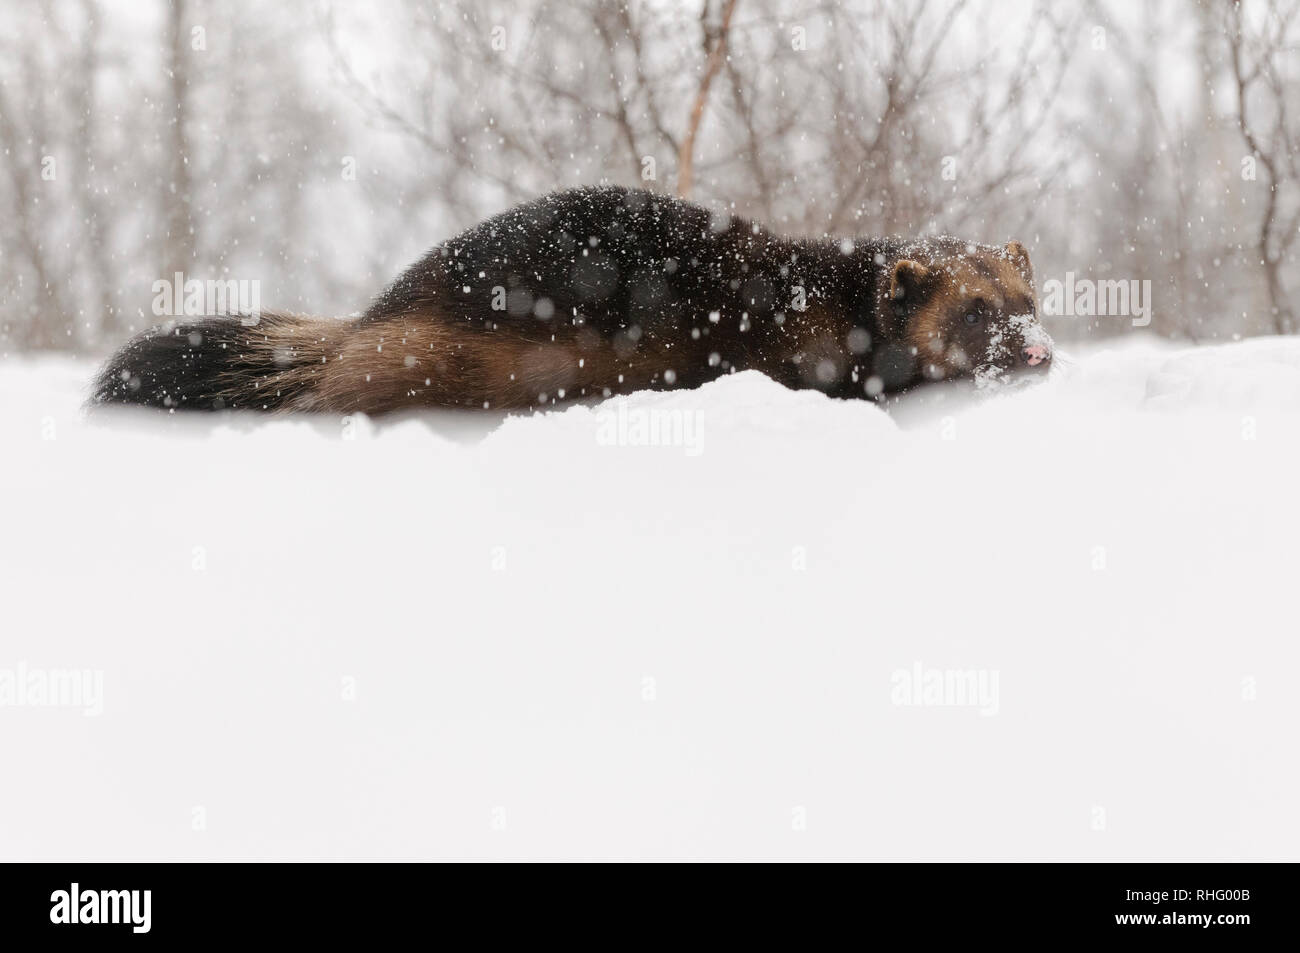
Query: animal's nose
{"x": 1036, "y": 354}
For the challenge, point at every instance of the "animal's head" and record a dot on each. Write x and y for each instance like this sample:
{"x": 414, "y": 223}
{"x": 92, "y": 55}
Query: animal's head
{"x": 971, "y": 312}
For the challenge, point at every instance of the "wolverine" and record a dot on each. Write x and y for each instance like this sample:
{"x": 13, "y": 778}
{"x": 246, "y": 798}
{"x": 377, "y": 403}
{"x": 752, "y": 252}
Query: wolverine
{"x": 596, "y": 291}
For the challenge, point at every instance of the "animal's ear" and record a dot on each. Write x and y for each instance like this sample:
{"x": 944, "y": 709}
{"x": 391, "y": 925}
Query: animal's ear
{"x": 1020, "y": 258}
{"x": 908, "y": 280}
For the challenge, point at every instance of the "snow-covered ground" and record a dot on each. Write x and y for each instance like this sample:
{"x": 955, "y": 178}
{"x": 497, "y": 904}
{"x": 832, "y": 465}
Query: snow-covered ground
{"x": 1058, "y": 624}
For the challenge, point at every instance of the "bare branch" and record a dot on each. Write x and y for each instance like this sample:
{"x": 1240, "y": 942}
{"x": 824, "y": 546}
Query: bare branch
{"x": 686, "y": 155}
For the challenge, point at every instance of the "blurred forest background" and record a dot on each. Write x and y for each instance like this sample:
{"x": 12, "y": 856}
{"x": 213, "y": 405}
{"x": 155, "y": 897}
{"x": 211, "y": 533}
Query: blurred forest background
{"x": 320, "y": 147}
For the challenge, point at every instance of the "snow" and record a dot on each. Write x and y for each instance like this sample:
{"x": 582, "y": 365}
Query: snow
{"x": 458, "y": 636}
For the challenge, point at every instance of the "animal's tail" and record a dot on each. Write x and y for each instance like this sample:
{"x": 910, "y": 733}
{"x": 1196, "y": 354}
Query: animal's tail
{"x": 374, "y": 364}
{"x": 272, "y": 362}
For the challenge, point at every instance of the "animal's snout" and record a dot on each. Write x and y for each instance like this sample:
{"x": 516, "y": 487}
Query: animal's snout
{"x": 1036, "y": 354}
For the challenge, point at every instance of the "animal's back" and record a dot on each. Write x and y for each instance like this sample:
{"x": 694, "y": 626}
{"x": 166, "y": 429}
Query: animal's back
{"x": 607, "y": 256}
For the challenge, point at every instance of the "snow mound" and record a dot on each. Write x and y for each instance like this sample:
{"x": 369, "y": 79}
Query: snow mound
{"x": 732, "y": 622}
{"x": 726, "y": 412}
{"x": 1262, "y": 374}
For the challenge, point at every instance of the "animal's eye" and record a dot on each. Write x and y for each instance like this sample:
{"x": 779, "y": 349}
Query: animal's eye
{"x": 976, "y": 312}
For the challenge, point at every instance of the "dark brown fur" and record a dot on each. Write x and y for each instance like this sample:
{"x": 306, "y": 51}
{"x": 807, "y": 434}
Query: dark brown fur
{"x": 595, "y": 292}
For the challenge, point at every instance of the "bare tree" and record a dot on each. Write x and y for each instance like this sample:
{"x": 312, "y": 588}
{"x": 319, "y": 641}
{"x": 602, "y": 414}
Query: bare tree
{"x": 179, "y": 239}
{"x": 36, "y": 282}
{"x": 96, "y": 251}
{"x": 1263, "y": 90}
{"x": 715, "y": 40}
